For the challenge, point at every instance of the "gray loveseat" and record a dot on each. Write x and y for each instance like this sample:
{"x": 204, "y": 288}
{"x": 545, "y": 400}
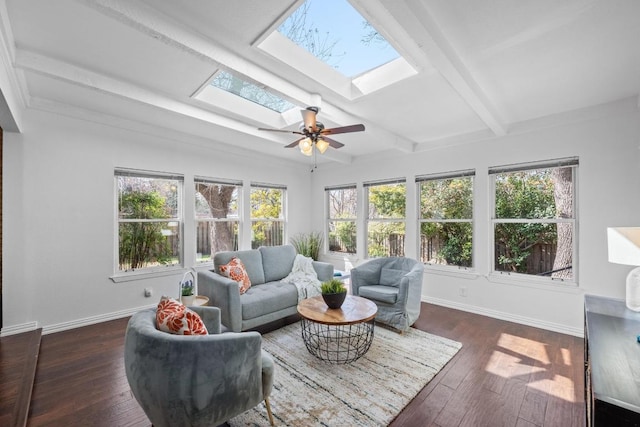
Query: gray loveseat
{"x": 268, "y": 298}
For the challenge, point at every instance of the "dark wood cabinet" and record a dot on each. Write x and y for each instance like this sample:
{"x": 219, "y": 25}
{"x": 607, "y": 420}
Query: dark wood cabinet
{"x": 612, "y": 363}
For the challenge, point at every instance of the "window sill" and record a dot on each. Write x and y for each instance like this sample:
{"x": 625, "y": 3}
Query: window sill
{"x": 145, "y": 274}
{"x": 466, "y": 273}
{"x": 567, "y": 286}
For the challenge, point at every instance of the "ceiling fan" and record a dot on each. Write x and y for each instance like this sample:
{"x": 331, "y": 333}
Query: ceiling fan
{"x": 314, "y": 134}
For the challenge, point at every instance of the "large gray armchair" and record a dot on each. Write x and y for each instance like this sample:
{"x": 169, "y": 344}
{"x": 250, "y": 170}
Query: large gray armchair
{"x": 394, "y": 284}
{"x": 195, "y": 380}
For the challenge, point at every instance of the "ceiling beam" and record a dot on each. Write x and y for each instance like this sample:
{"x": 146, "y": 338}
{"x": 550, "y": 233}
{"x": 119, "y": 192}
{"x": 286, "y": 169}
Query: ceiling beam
{"x": 59, "y": 70}
{"x": 156, "y": 25}
{"x": 424, "y": 30}
{"x": 12, "y": 92}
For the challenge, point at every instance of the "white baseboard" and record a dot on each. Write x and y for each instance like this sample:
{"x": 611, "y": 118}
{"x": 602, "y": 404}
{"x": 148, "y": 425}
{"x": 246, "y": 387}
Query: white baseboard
{"x": 536, "y": 323}
{"x": 18, "y": 329}
{"x": 78, "y": 323}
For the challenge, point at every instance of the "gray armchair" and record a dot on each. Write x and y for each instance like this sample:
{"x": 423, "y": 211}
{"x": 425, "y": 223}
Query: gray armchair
{"x": 394, "y": 284}
{"x": 195, "y": 380}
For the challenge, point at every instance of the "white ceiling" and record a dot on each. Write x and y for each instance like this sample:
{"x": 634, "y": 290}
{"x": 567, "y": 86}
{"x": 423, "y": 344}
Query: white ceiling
{"x": 483, "y": 67}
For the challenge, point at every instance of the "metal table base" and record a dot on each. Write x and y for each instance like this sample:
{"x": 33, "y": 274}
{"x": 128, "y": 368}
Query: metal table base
{"x": 337, "y": 344}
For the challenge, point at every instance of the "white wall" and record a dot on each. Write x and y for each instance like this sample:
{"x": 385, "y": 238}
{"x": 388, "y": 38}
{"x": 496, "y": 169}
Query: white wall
{"x": 58, "y": 207}
{"x": 608, "y": 195}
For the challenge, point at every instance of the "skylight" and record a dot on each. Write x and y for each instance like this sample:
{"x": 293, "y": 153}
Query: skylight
{"x": 251, "y": 92}
{"x": 334, "y": 32}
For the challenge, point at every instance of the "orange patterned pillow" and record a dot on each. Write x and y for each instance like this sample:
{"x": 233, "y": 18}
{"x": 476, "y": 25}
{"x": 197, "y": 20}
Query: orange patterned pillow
{"x": 235, "y": 270}
{"x": 175, "y": 318}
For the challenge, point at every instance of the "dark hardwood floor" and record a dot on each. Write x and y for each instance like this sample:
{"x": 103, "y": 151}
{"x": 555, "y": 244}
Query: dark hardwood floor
{"x": 505, "y": 375}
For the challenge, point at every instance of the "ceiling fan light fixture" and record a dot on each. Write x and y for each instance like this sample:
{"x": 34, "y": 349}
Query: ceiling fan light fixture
{"x": 322, "y": 145}
{"x": 312, "y": 132}
{"x": 306, "y": 146}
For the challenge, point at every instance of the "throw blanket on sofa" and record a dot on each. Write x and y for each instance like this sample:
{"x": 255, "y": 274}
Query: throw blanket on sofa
{"x": 304, "y": 276}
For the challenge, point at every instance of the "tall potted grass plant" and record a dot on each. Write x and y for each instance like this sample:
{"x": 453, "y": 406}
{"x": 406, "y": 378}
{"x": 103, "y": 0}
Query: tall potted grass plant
{"x": 308, "y": 244}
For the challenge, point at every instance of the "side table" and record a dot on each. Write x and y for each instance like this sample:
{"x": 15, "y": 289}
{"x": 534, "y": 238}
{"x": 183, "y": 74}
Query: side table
{"x": 340, "y": 335}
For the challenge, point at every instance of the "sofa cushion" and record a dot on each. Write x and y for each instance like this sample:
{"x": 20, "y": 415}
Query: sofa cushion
{"x": 252, "y": 260}
{"x": 175, "y": 318}
{"x": 388, "y": 294}
{"x": 268, "y": 298}
{"x": 277, "y": 261}
{"x": 235, "y": 270}
{"x": 391, "y": 276}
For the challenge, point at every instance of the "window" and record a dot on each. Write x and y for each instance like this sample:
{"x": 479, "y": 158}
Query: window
{"x": 267, "y": 215}
{"x": 217, "y": 217}
{"x": 333, "y": 45}
{"x": 149, "y": 220}
{"x": 446, "y": 218}
{"x": 251, "y": 92}
{"x": 534, "y": 219}
{"x": 334, "y": 32}
{"x": 341, "y": 221}
{"x": 386, "y": 201}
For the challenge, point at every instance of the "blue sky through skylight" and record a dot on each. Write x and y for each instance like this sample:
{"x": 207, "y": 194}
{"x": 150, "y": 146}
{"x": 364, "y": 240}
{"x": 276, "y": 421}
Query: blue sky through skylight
{"x": 337, "y": 21}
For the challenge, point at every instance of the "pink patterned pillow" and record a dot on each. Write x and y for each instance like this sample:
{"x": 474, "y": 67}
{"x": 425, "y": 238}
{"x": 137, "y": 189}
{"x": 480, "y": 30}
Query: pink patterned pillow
{"x": 235, "y": 270}
{"x": 175, "y": 318}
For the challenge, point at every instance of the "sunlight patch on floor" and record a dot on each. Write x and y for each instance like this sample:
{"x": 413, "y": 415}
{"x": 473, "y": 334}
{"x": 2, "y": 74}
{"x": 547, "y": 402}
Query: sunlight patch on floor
{"x": 558, "y": 386}
{"x": 508, "y": 366}
{"x": 528, "y": 348}
{"x": 529, "y": 360}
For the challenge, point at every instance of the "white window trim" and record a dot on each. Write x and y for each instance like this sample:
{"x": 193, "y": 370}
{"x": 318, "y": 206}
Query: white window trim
{"x": 529, "y": 280}
{"x": 239, "y": 219}
{"x": 440, "y": 268}
{"x": 148, "y": 272}
{"x": 329, "y": 219}
{"x": 130, "y": 276}
{"x": 283, "y": 211}
{"x": 367, "y": 220}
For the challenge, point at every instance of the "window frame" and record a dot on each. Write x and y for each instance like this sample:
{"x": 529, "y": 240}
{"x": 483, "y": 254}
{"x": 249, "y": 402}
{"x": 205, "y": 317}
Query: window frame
{"x": 152, "y": 271}
{"x": 368, "y": 220}
{"x": 568, "y": 283}
{"x": 330, "y": 219}
{"x": 197, "y": 220}
{"x": 283, "y": 209}
{"x": 467, "y": 173}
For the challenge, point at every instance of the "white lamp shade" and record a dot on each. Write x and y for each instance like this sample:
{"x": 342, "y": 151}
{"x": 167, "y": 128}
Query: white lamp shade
{"x": 322, "y": 145}
{"x": 624, "y": 245}
{"x": 306, "y": 147}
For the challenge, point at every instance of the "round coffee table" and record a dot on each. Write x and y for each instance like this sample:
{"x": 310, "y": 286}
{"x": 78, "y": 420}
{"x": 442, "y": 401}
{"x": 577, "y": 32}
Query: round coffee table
{"x": 340, "y": 335}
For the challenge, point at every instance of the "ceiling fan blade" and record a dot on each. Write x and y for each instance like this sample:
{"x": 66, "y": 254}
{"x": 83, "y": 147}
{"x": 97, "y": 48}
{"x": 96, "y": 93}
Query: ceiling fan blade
{"x": 309, "y": 118}
{"x": 343, "y": 129}
{"x": 282, "y": 130}
{"x": 332, "y": 142}
{"x": 294, "y": 143}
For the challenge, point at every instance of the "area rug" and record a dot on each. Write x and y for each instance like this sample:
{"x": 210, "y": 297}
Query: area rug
{"x": 368, "y": 392}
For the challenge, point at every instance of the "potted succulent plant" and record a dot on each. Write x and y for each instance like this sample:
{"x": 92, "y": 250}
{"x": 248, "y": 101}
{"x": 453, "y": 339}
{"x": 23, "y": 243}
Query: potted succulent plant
{"x": 333, "y": 293}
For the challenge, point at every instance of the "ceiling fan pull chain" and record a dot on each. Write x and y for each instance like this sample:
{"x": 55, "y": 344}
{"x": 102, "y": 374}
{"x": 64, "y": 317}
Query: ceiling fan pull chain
{"x": 315, "y": 163}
